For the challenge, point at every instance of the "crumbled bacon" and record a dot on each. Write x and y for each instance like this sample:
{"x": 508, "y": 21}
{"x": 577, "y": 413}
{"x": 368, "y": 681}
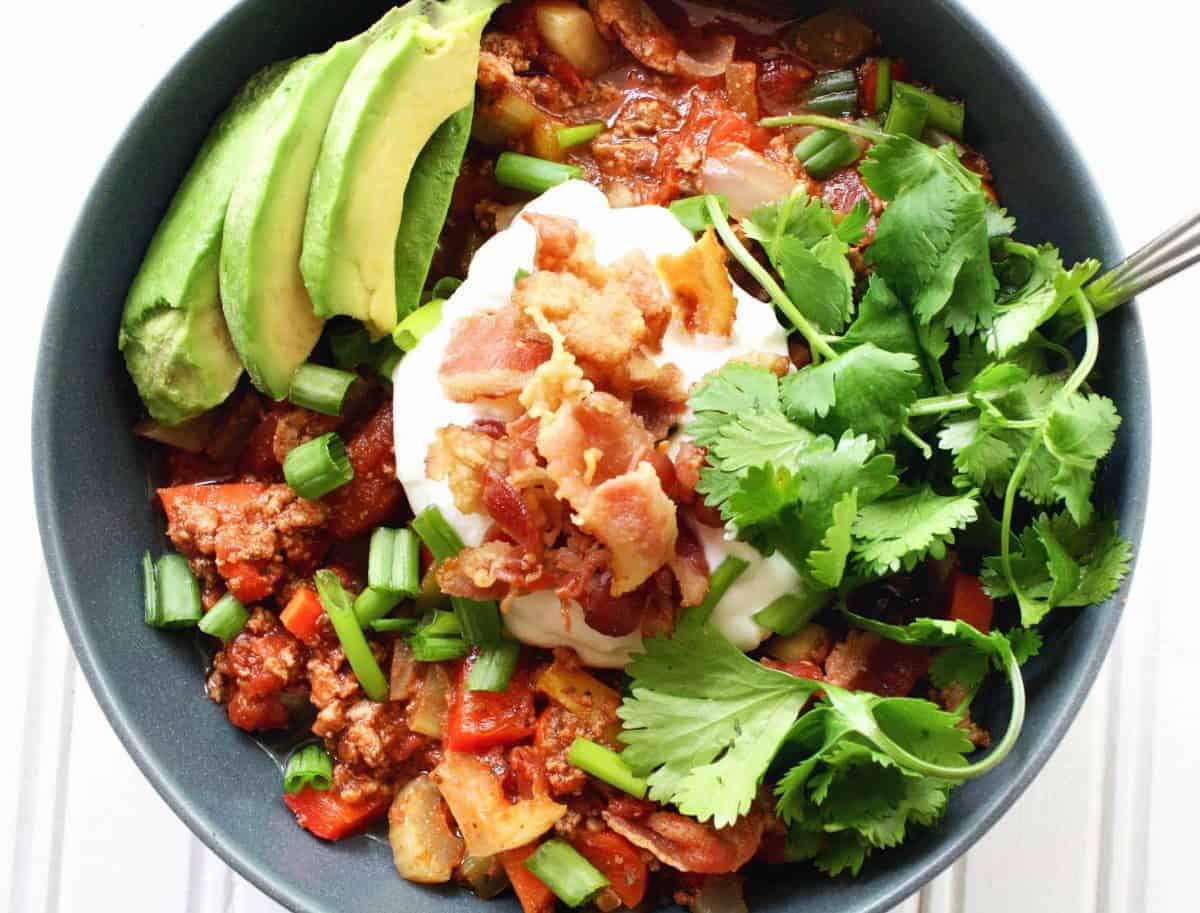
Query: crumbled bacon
{"x": 866, "y": 662}
{"x": 686, "y": 844}
{"x": 504, "y": 504}
{"x": 690, "y": 565}
{"x": 489, "y": 571}
{"x": 460, "y": 456}
{"x": 701, "y": 287}
{"x": 492, "y": 355}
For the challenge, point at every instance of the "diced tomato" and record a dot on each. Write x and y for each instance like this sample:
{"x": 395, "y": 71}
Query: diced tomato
{"x": 732, "y": 129}
{"x": 896, "y": 668}
{"x": 374, "y": 494}
{"x": 302, "y": 613}
{"x": 618, "y": 861}
{"x": 781, "y": 82}
{"x": 969, "y": 603}
{"x": 327, "y": 816}
{"x": 533, "y": 894}
{"x": 483, "y": 719}
{"x": 801, "y": 668}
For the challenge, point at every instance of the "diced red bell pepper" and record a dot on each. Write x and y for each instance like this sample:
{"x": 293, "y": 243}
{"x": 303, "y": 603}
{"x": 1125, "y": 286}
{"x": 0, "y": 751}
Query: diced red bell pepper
{"x": 618, "y": 861}
{"x": 227, "y": 499}
{"x": 302, "y": 613}
{"x": 329, "y": 817}
{"x": 969, "y": 603}
{"x": 531, "y": 891}
{"x": 484, "y": 719}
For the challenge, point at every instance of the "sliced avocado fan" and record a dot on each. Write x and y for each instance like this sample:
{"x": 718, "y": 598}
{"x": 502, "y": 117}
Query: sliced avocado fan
{"x": 173, "y": 334}
{"x": 267, "y": 308}
{"x": 419, "y": 70}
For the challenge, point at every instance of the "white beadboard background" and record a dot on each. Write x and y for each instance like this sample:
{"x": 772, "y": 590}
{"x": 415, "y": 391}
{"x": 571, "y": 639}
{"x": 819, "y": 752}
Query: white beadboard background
{"x": 1107, "y": 827}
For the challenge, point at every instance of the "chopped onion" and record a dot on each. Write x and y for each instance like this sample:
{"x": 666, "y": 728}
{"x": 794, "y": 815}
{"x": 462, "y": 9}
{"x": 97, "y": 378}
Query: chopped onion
{"x": 424, "y": 848}
{"x": 721, "y": 894}
{"x": 707, "y": 60}
{"x": 403, "y": 678}
{"x": 485, "y": 875}
{"x": 746, "y": 179}
{"x": 428, "y": 709}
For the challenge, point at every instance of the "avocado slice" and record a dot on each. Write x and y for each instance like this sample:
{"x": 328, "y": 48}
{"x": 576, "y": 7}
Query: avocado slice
{"x": 416, "y": 73}
{"x": 173, "y": 335}
{"x": 426, "y": 202}
{"x": 267, "y": 308}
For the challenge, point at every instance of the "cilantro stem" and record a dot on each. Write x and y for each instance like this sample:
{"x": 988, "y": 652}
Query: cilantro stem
{"x": 911, "y": 436}
{"x": 1016, "y": 720}
{"x": 939, "y": 405}
{"x": 819, "y": 120}
{"x": 819, "y": 347}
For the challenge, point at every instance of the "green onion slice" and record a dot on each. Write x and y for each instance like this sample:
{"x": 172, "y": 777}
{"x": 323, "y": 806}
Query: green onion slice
{"x": 317, "y": 467}
{"x": 480, "y": 621}
{"x": 719, "y": 583}
{"x": 394, "y": 564}
{"x": 372, "y": 604}
{"x": 387, "y": 356}
{"x": 569, "y": 137}
{"x": 309, "y": 766}
{"x": 533, "y": 175}
{"x": 440, "y": 624}
{"x": 428, "y": 649}
{"x": 788, "y": 614}
{"x": 321, "y": 389}
{"x": 394, "y": 625}
{"x": 605, "y": 764}
{"x": 150, "y": 589}
{"x": 337, "y": 605}
{"x": 226, "y": 619}
{"x": 438, "y": 535}
{"x": 943, "y": 114}
{"x": 178, "y": 598}
{"x": 417, "y": 325}
{"x": 561, "y": 868}
{"x": 349, "y": 343}
{"x": 493, "y": 668}
{"x": 444, "y": 287}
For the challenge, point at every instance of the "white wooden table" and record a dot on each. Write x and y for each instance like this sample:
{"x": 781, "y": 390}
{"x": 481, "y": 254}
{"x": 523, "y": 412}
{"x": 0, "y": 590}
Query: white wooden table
{"x": 1107, "y": 827}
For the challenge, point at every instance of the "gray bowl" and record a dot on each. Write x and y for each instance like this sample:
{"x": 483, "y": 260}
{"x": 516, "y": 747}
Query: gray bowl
{"x": 96, "y": 515}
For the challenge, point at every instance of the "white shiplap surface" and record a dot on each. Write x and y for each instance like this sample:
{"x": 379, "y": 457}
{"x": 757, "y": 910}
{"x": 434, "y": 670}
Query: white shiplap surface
{"x": 1105, "y": 828}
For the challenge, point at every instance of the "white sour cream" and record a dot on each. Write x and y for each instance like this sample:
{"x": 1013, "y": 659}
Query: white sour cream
{"x": 421, "y": 408}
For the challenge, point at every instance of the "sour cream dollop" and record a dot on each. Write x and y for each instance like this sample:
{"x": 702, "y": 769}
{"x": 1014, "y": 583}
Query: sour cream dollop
{"x": 421, "y": 408}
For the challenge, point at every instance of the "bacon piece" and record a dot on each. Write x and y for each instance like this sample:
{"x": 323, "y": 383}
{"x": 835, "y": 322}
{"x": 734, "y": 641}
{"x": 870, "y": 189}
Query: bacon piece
{"x": 563, "y": 248}
{"x": 690, "y": 565}
{"x": 460, "y": 456}
{"x": 689, "y": 846}
{"x": 866, "y": 662}
{"x": 640, "y": 280}
{"x": 505, "y": 505}
{"x": 701, "y": 288}
{"x": 635, "y": 519}
{"x": 491, "y": 355}
{"x": 489, "y": 571}
{"x": 599, "y": 325}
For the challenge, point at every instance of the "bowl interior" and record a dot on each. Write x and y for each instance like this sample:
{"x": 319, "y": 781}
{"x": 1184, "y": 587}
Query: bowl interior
{"x": 96, "y": 514}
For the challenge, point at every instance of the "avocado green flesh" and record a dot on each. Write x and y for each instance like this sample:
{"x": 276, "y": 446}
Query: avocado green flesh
{"x": 267, "y": 308}
{"x": 416, "y": 73}
{"x": 426, "y": 202}
{"x": 173, "y": 335}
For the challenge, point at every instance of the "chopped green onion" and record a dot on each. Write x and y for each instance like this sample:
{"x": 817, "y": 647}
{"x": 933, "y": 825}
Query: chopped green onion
{"x": 718, "y": 584}
{"x": 362, "y": 661}
{"x": 908, "y": 114}
{"x": 839, "y": 152}
{"x": 480, "y": 621}
{"x": 831, "y": 82}
{"x": 444, "y": 288}
{"x": 814, "y": 143}
{"x": 494, "y": 667}
{"x": 438, "y": 535}
{"x": 605, "y": 764}
{"x": 417, "y": 325}
{"x": 178, "y": 597}
{"x": 389, "y": 357}
{"x": 309, "y": 766}
{"x": 394, "y": 625}
{"x": 226, "y": 619}
{"x": 321, "y": 389}
{"x": 943, "y": 114}
{"x": 317, "y": 467}
{"x": 834, "y": 104}
{"x": 520, "y": 274}
{"x": 150, "y": 589}
{"x": 533, "y": 175}
{"x": 787, "y": 614}
{"x": 350, "y": 344}
{"x": 883, "y": 85}
{"x": 437, "y": 649}
{"x": 561, "y": 868}
{"x": 394, "y": 563}
{"x": 373, "y": 603}
{"x": 577, "y": 136}
{"x": 692, "y": 211}
{"x": 440, "y": 624}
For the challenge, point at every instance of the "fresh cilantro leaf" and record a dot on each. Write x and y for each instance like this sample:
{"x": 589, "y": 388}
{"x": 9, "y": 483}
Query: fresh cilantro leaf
{"x": 866, "y": 390}
{"x": 1026, "y": 643}
{"x": 1000, "y": 224}
{"x": 853, "y": 225}
{"x": 1079, "y": 433}
{"x": 932, "y": 243}
{"x": 828, "y": 563}
{"x": 807, "y": 219}
{"x": 884, "y": 321}
{"x": 902, "y": 530}
{"x": 1035, "y": 303}
{"x": 703, "y": 721}
{"x": 823, "y": 295}
{"x": 737, "y": 389}
{"x": 757, "y": 439}
{"x": 1054, "y": 552}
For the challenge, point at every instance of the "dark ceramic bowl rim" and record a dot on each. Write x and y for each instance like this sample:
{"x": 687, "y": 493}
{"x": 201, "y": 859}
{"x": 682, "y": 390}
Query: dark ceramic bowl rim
{"x": 100, "y": 677}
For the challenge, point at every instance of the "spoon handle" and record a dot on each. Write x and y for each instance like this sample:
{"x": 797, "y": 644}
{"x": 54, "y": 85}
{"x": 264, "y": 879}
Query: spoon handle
{"x": 1171, "y": 252}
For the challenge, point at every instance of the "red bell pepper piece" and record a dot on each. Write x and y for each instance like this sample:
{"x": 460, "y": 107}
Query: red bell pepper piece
{"x": 969, "y": 603}
{"x": 618, "y": 861}
{"x": 533, "y": 894}
{"x": 302, "y": 613}
{"x": 484, "y": 719}
{"x": 329, "y": 817}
